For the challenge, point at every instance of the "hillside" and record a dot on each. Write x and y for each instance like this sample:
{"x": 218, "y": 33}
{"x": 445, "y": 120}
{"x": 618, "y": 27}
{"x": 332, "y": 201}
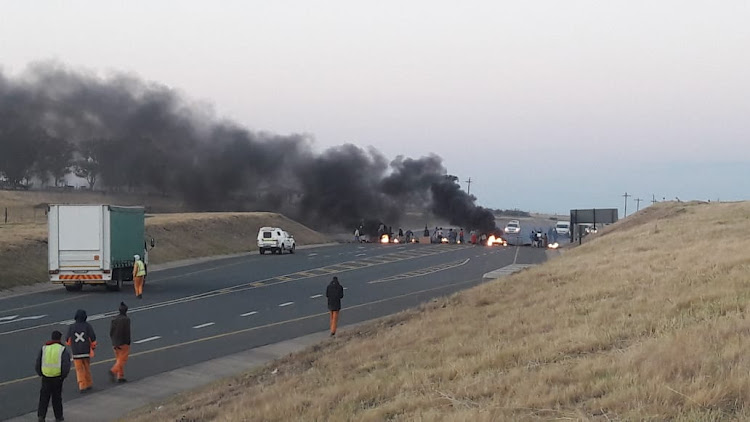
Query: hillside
{"x": 23, "y": 247}
{"x": 646, "y": 321}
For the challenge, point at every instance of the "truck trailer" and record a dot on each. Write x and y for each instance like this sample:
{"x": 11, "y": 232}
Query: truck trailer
{"x": 95, "y": 244}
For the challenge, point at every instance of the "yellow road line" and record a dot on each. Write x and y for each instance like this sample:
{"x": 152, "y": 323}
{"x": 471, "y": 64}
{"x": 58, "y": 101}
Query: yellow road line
{"x": 250, "y": 329}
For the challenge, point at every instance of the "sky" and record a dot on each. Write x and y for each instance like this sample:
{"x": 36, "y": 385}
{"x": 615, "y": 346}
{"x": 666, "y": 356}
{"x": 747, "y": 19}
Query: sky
{"x": 546, "y": 105}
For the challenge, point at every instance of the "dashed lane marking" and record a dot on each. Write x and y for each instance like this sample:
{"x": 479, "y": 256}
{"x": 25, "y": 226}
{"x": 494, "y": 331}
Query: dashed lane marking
{"x": 391, "y": 257}
{"x": 247, "y": 314}
{"x": 257, "y": 328}
{"x": 285, "y": 304}
{"x": 146, "y": 340}
{"x": 315, "y": 296}
{"x": 208, "y": 324}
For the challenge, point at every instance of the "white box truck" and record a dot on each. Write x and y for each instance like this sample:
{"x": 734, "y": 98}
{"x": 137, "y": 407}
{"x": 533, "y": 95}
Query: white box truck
{"x": 95, "y": 244}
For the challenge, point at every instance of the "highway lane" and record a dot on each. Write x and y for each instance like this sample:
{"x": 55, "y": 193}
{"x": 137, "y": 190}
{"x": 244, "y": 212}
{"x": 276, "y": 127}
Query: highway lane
{"x": 209, "y": 310}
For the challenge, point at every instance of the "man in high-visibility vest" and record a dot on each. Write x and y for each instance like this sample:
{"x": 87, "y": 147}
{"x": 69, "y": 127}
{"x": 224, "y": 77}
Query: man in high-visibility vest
{"x": 139, "y": 274}
{"x": 53, "y": 365}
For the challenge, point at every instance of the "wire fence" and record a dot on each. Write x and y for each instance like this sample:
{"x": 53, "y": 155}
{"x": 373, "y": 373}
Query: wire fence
{"x": 19, "y": 215}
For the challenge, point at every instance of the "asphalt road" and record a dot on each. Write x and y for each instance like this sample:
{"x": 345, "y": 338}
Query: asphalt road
{"x": 208, "y": 310}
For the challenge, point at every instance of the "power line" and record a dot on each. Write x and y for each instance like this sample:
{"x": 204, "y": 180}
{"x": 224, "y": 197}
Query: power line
{"x": 626, "y": 196}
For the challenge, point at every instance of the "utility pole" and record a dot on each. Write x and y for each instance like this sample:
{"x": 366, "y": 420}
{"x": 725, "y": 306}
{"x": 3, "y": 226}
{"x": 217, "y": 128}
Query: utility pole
{"x": 638, "y": 201}
{"x": 468, "y": 186}
{"x": 626, "y": 196}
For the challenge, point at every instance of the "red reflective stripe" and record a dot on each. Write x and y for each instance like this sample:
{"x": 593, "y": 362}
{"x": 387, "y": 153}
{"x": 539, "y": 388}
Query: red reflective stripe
{"x": 81, "y": 277}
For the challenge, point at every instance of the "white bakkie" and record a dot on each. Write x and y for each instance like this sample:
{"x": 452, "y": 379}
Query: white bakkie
{"x": 275, "y": 240}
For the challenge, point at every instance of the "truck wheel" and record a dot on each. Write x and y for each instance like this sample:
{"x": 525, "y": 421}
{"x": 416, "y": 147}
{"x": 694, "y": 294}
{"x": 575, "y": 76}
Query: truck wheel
{"x": 117, "y": 286}
{"x": 262, "y": 251}
{"x": 74, "y": 287}
{"x": 281, "y": 251}
{"x": 292, "y": 250}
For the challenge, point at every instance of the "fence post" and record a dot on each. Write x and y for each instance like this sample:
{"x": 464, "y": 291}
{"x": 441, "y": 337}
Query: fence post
{"x": 6, "y": 215}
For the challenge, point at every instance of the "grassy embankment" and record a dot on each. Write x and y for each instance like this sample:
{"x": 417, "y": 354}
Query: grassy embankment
{"x": 645, "y": 321}
{"x": 23, "y": 247}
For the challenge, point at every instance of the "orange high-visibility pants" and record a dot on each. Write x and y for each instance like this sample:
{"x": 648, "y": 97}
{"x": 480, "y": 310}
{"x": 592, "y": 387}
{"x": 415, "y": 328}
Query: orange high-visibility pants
{"x": 334, "y": 321}
{"x": 83, "y": 373}
{"x": 121, "y": 357}
{"x": 138, "y": 284}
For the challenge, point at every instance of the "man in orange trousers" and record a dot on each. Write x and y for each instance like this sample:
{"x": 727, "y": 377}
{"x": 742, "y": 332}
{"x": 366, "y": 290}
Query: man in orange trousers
{"x": 334, "y": 293}
{"x": 119, "y": 333}
{"x": 139, "y": 274}
{"x": 82, "y": 341}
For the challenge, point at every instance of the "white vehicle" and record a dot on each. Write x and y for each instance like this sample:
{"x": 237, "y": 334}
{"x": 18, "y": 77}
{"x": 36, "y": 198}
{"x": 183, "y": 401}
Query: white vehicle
{"x": 563, "y": 228}
{"x": 513, "y": 227}
{"x": 275, "y": 240}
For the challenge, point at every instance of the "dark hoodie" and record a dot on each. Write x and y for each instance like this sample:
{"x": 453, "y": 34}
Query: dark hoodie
{"x": 65, "y": 360}
{"x": 119, "y": 329}
{"x": 81, "y": 336}
{"x": 334, "y": 293}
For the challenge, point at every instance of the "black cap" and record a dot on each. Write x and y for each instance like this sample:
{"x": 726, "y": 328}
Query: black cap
{"x": 123, "y": 308}
{"x": 56, "y": 335}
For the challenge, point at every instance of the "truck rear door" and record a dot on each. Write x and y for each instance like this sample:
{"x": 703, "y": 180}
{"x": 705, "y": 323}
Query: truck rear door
{"x": 80, "y": 238}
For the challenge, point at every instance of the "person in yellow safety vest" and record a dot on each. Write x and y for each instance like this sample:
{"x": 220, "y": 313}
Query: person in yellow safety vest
{"x": 139, "y": 274}
{"x": 53, "y": 365}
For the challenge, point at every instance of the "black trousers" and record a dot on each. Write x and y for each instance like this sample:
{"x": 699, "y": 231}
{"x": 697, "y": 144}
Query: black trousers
{"x": 51, "y": 389}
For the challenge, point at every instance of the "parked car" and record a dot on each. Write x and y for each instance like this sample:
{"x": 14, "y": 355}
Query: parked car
{"x": 513, "y": 227}
{"x": 275, "y": 240}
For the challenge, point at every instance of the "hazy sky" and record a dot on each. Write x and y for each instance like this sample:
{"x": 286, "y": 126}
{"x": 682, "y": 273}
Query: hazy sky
{"x": 546, "y": 105}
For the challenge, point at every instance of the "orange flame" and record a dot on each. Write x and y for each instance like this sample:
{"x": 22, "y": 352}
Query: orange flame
{"x": 384, "y": 238}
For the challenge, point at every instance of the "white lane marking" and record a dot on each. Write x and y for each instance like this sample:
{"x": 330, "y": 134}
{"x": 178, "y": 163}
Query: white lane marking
{"x": 23, "y": 319}
{"x": 95, "y": 317}
{"x": 286, "y": 304}
{"x": 208, "y": 324}
{"x": 6, "y": 318}
{"x": 312, "y": 254}
{"x": 360, "y": 247}
{"x": 315, "y": 296}
{"x": 211, "y": 293}
{"x": 515, "y": 258}
{"x": 422, "y": 273}
{"x": 145, "y": 340}
{"x": 249, "y": 313}
{"x": 360, "y": 254}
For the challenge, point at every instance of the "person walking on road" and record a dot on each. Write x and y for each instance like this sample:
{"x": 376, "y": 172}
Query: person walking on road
{"x": 139, "y": 274}
{"x": 53, "y": 365}
{"x": 334, "y": 293}
{"x": 82, "y": 341}
{"x": 119, "y": 333}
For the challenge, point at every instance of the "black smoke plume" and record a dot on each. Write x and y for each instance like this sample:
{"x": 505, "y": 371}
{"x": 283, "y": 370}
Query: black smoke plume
{"x": 123, "y": 134}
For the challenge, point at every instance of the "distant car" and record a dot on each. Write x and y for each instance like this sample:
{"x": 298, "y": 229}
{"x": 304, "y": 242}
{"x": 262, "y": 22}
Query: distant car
{"x": 563, "y": 228}
{"x": 275, "y": 240}
{"x": 513, "y": 227}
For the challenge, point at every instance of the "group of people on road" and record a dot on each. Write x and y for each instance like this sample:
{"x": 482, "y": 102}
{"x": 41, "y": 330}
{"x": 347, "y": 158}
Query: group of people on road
{"x": 53, "y": 363}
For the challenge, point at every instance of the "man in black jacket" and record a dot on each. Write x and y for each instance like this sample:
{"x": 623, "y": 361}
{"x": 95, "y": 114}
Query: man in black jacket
{"x": 53, "y": 365}
{"x": 334, "y": 293}
{"x": 119, "y": 333}
{"x": 82, "y": 341}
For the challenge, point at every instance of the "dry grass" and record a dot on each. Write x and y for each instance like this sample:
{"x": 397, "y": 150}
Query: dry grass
{"x": 644, "y": 322}
{"x": 23, "y": 247}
